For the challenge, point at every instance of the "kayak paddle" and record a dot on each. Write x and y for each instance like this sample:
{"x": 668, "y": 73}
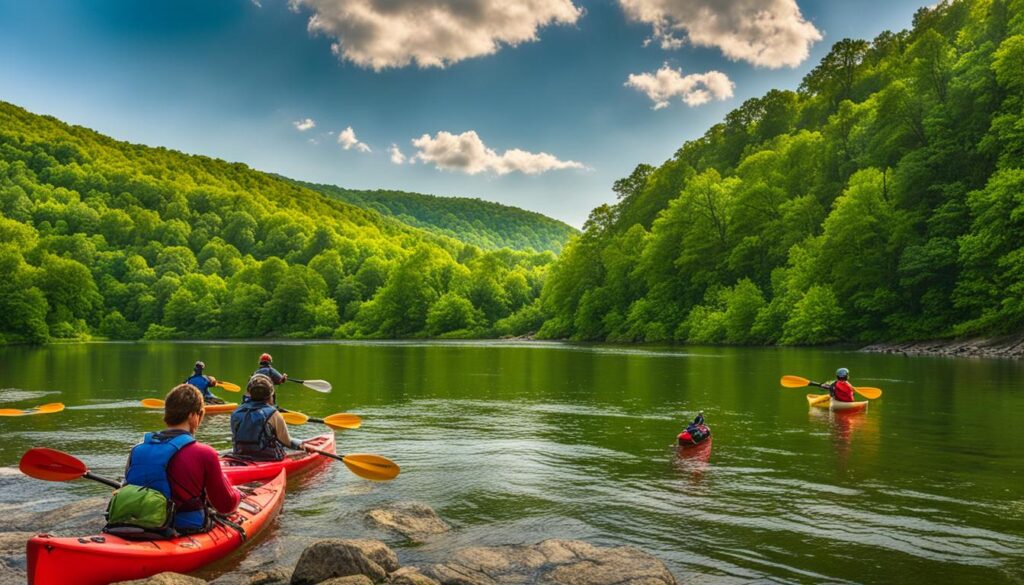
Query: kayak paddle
{"x": 798, "y": 382}
{"x": 52, "y": 465}
{"x": 44, "y": 409}
{"x": 341, "y": 420}
{"x": 152, "y": 403}
{"x": 366, "y": 465}
{"x": 228, "y": 386}
{"x": 318, "y": 385}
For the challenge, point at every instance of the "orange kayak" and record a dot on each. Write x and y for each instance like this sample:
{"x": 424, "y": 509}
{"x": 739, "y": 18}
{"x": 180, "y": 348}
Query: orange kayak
{"x": 102, "y": 558}
{"x": 220, "y": 408}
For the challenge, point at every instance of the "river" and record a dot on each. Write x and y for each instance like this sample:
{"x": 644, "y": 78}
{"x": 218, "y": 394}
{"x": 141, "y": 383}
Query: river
{"x": 515, "y": 442}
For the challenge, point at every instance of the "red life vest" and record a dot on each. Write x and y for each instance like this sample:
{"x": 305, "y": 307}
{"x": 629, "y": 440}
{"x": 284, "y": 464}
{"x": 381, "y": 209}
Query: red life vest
{"x": 842, "y": 391}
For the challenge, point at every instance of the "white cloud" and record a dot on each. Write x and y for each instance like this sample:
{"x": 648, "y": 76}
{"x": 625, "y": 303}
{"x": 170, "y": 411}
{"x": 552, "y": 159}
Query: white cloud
{"x": 694, "y": 89}
{"x": 303, "y": 125}
{"x": 430, "y": 33}
{"x": 396, "y": 155}
{"x": 467, "y": 153}
{"x": 765, "y": 33}
{"x": 347, "y": 139}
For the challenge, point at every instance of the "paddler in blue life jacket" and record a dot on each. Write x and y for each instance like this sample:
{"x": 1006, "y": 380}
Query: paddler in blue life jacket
{"x": 171, "y": 462}
{"x": 258, "y": 430}
{"x": 204, "y": 383}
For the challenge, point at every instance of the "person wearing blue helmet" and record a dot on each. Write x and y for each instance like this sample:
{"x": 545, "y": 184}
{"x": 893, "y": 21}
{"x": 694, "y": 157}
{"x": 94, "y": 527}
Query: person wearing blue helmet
{"x": 840, "y": 388}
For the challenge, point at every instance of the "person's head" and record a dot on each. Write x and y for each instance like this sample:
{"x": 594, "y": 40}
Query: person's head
{"x": 200, "y": 366}
{"x": 842, "y": 374}
{"x": 266, "y": 360}
{"x": 260, "y": 388}
{"x": 184, "y": 403}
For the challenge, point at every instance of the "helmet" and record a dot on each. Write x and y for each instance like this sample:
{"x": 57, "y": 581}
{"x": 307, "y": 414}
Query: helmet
{"x": 266, "y": 359}
{"x": 200, "y": 366}
{"x": 842, "y": 374}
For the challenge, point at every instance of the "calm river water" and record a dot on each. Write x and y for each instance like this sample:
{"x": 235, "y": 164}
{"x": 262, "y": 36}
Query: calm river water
{"x": 518, "y": 442}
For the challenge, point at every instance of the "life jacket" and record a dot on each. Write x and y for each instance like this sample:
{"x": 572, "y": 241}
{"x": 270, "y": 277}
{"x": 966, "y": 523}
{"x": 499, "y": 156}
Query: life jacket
{"x": 694, "y": 434}
{"x": 147, "y": 467}
{"x": 254, "y": 436}
{"x": 202, "y": 383}
{"x": 842, "y": 391}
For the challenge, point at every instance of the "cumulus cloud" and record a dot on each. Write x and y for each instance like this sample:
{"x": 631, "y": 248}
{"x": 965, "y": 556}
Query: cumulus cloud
{"x": 396, "y": 154}
{"x": 468, "y": 154}
{"x": 430, "y": 33}
{"x": 694, "y": 89}
{"x": 347, "y": 139}
{"x": 303, "y": 125}
{"x": 765, "y": 33}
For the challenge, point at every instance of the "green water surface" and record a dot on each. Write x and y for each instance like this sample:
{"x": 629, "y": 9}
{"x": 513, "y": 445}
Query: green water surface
{"x": 518, "y": 442}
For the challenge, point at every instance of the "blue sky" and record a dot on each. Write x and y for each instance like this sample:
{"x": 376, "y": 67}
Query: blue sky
{"x": 232, "y": 78}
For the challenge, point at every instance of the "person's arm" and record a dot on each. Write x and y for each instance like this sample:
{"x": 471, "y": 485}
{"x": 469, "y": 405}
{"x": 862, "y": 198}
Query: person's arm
{"x": 221, "y": 494}
{"x": 281, "y": 430}
{"x": 212, "y": 381}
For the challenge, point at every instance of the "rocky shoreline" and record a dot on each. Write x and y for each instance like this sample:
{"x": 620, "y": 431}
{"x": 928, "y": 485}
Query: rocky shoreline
{"x": 1010, "y": 346}
{"x": 364, "y": 561}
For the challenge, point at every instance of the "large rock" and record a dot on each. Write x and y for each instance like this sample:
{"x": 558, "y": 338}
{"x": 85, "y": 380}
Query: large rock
{"x": 411, "y": 520}
{"x": 565, "y": 562}
{"x": 410, "y": 576}
{"x": 165, "y": 579}
{"x": 350, "y": 580}
{"x": 267, "y": 575}
{"x": 12, "y": 557}
{"x": 335, "y": 558}
{"x": 77, "y": 518}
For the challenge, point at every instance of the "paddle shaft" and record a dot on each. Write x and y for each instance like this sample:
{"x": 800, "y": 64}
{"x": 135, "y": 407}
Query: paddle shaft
{"x": 331, "y": 455}
{"x": 310, "y": 419}
{"x": 103, "y": 480}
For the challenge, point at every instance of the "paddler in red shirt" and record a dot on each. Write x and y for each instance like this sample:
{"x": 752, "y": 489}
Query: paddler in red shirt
{"x": 173, "y": 461}
{"x": 840, "y": 388}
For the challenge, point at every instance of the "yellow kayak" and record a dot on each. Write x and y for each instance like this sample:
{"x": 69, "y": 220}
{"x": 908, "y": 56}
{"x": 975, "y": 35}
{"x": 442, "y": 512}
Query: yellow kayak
{"x": 825, "y": 401}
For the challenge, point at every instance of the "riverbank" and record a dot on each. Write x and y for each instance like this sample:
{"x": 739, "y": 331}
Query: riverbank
{"x": 1010, "y": 346}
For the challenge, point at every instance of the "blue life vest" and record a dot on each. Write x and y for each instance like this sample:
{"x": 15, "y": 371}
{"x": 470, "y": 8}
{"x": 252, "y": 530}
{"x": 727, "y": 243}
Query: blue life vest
{"x": 253, "y": 435}
{"x": 269, "y": 372}
{"x": 147, "y": 467}
{"x": 203, "y": 383}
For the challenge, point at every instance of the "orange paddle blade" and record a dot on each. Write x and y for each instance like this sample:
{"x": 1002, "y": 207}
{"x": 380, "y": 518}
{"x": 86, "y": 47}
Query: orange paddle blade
{"x": 152, "y": 403}
{"x": 343, "y": 420}
{"x": 794, "y": 382}
{"x": 12, "y": 412}
{"x": 51, "y": 465}
{"x": 372, "y": 467}
{"x": 50, "y": 408}
{"x": 229, "y": 386}
{"x": 869, "y": 392}
{"x": 44, "y": 409}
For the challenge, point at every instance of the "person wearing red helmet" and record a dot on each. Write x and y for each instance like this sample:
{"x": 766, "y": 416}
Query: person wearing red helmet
{"x": 268, "y": 370}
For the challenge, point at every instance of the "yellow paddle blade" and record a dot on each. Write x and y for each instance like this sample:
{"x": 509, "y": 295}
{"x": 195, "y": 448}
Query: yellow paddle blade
{"x": 152, "y": 403}
{"x": 794, "y": 382}
{"x": 343, "y": 420}
{"x": 868, "y": 392}
{"x": 11, "y": 412}
{"x": 229, "y": 386}
{"x": 50, "y": 408}
{"x": 295, "y": 418}
{"x": 372, "y": 467}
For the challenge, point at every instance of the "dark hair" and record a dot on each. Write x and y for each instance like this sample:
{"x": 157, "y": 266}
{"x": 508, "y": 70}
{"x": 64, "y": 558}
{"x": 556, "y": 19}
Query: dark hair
{"x": 181, "y": 402}
{"x": 260, "y": 387}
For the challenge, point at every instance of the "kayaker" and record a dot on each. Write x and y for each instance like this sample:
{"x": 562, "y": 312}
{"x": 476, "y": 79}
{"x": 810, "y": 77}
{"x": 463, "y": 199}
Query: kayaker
{"x": 171, "y": 465}
{"x": 840, "y": 388}
{"x": 696, "y": 432}
{"x": 268, "y": 370}
{"x": 204, "y": 383}
{"x": 258, "y": 430}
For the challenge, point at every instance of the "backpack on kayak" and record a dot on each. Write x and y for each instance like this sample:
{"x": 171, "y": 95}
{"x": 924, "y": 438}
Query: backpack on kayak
{"x": 143, "y": 509}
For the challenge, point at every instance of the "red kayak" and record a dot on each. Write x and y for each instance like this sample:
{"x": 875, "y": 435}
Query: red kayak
{"x": 241, "y": 471}
{"x": 102, "y": 558}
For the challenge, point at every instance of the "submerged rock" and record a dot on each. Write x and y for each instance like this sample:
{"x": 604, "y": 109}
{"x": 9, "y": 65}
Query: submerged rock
{"x": 74, "y": 519}
{"x": 567, "y": 562}
{"x": 410, "y": 576}
{"x": 412, "y": 520}
{"x": 350, "y": 580}
{"x": 340, "y": 558}
{"x": 165, "y": 579}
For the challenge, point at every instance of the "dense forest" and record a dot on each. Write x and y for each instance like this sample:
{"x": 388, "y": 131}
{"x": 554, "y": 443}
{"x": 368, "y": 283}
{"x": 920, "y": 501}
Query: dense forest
{"x": 482, "y": 223}
{"x": 105, "y": 238}
{"x": 882, "y": 200}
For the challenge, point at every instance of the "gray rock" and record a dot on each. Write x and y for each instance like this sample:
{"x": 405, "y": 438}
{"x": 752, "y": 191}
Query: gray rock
{"x": 266, "y": 575}
{"x": 411, "y": 520}
{"x": 378, "y": 552}
{"x": 555, "y": 562}
{"x": 350, "y": 580}
{"x": 74, "y": 519}
{"x": 410, "y": 576}
{"x": 11, "y": 576}
{"x": 12, "y": 544}
{"x": 165, "y": 579}
{"x": 334, "y": 558}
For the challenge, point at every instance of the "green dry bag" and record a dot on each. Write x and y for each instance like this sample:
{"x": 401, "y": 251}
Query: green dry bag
{"x": 140, "y": 513}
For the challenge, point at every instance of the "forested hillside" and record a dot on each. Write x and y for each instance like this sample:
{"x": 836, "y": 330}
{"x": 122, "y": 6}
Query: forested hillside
{"x": 481, "y": 223}
{"x": 100, "y": 237}
{"x": 882, "y": 200}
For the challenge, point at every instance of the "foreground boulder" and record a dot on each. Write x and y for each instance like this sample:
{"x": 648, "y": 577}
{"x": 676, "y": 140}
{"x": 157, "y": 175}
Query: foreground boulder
{"x": 79, "y": 517}
{"x": 567, "y": 562}
{"x": 165, "y": 579}
{"x": 327, "y": 559}
{"x": 411, "y": 520}
{"x": 410, "y": 576}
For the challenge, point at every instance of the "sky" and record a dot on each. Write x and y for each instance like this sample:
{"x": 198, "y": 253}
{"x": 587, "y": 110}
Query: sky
{"x": 540, "y": 104}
